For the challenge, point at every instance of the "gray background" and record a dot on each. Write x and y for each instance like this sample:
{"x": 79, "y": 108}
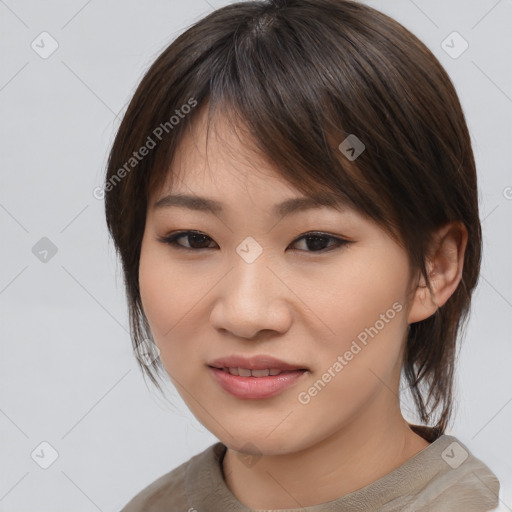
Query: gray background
{"x": 68, "y": 375}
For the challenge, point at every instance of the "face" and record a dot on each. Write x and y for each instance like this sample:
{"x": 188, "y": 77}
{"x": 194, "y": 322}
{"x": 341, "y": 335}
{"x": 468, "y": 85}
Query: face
{"x": 253, "y": 283}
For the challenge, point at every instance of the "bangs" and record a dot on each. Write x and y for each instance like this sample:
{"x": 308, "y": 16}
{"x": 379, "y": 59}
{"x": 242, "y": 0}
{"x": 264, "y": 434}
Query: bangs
{"x": 294, "y": 110}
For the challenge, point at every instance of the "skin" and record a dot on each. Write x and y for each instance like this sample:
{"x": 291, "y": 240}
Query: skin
{"x": 301, "y": 306}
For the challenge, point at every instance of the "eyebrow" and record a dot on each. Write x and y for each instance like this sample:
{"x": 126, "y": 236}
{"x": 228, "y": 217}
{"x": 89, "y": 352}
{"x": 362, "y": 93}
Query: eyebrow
{"x": 205, "y": 204}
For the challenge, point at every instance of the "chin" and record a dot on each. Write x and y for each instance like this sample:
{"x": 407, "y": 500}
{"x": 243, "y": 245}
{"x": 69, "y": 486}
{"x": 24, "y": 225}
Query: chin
{"x": 257, "y": 443}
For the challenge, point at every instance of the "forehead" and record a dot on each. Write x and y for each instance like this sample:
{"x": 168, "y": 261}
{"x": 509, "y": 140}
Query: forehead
{"x": 218, "y": 157}
{"x": 217, "y": 166}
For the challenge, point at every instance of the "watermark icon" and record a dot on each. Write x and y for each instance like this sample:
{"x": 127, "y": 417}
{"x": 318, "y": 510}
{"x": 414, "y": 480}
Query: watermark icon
{"x": 44, "y": 45}
{"x": 147, "y": 352}
{"x": 249, "y": 250}
{"x": 249, "y": 459}
{"x": 304, "y": 397}
{"x": 454, "y": 45}
{"x": 44, "y": 250}
{"x": 507, "y": 192}
{"x": 454, "y": 455}
{"x": 145, "y": 149}
{"x": 352, "y": 147}
{"x": 44, "y": 455}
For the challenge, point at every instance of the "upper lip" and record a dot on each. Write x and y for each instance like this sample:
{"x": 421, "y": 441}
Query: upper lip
{"x": 259, "y": 362}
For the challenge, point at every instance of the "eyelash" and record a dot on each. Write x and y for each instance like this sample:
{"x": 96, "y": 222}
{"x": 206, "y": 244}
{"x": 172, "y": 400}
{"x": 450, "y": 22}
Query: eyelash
{"x": 171, "y": 240}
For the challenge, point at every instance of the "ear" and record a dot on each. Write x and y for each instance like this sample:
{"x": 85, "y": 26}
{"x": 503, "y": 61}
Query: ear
{"x": 444, "y": 265}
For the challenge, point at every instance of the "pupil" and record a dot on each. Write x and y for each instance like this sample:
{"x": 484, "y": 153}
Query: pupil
{"x": 193, "y": 236}
{"x": 315, "y": 242}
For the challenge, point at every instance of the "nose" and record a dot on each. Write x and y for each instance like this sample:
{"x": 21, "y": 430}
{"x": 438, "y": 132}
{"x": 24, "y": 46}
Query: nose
{"x": 252, "y": 299}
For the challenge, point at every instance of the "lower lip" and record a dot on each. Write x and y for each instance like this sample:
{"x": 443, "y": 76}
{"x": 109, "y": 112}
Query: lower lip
{"x": 256, "y": 387}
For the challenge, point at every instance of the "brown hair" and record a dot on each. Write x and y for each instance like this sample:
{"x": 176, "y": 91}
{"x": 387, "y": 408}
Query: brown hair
{"x": 302, "y": 75}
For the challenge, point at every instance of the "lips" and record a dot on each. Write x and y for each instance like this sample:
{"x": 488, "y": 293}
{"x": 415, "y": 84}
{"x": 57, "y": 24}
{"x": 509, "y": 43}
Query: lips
{"x": 256, "y": 388}
{"x": 256, "y": 377}
{"x": 240, "y": 365}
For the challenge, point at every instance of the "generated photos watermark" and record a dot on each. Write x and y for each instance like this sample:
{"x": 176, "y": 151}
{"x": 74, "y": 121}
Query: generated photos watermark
{"x": 145, "y": 149}
{"x": 304, "y": 397}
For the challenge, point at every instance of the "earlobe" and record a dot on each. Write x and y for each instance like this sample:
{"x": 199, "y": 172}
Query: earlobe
{"x": 444, "y": 266}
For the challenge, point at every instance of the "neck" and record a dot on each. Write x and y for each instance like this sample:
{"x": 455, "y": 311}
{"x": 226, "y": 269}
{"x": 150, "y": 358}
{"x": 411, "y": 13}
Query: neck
{"x": 351, "y": 458}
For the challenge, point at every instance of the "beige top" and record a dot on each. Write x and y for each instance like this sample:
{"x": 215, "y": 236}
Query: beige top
{"x": 443, "y": 477}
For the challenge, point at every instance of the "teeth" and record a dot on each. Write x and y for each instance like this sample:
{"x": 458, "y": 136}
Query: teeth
{"x": 245, "y": 372}
{"x": 260, "y": 373}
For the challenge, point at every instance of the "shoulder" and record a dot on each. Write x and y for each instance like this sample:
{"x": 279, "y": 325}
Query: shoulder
{"x": 169, "y": 492}
{"x": 461, "y": 481}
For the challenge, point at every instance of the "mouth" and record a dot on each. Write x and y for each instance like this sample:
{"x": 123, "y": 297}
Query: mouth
{"x": 259, "y": 364}
{"x": 258, "y": 377}
{"x": 247, "y": 372}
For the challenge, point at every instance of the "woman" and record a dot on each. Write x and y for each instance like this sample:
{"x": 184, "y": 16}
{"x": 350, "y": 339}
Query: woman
{"x": 293, "y": 195}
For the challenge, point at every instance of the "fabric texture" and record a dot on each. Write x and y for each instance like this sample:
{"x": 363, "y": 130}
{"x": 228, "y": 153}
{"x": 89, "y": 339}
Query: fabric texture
{"x": 443, "y": 477}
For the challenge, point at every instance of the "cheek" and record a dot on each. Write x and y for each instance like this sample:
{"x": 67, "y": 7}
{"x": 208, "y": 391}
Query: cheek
{"x": 159, "y": 302}
{"x": 353, "y": 364}
{"x": 160, "y": 289}
{"x": 151, "y": 290}
{"x": 367, "y": 314}
{"x": 171, "y": 296}
{"x": 363, "y": 293}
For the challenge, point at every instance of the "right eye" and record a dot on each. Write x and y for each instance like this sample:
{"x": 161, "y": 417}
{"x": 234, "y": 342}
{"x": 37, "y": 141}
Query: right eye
{"x": 195, "y": 239}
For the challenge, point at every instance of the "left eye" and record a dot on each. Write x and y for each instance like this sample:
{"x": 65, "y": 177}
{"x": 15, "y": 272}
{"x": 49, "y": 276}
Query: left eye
{"x": 315, "y": 242}
{"x": 320, "y": 242}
